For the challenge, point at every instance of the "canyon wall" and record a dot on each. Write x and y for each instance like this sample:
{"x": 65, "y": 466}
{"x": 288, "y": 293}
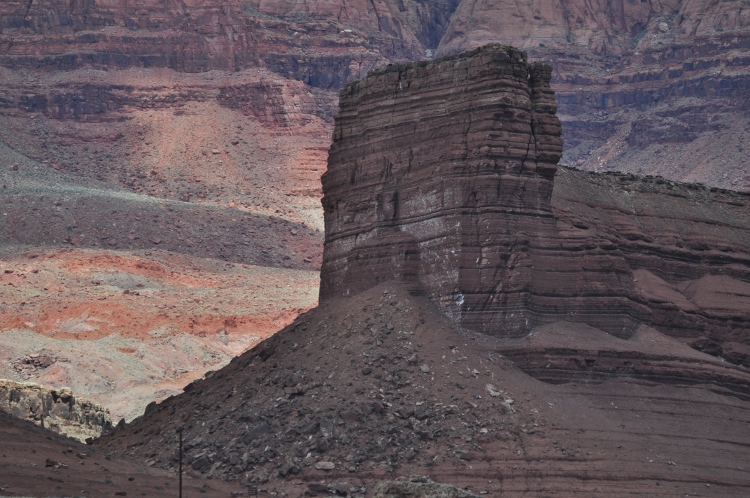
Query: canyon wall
{"x": 643, "y": 87}
{"x": 487, "y": 318}
{"x": 442, "y": 175}
{"x": 649, "y": 88}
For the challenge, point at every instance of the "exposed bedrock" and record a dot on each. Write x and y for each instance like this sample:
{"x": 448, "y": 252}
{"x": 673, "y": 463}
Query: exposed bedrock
{"x": 444, "y": 212}
{"x": 56, "y": 409}
{"x": 439, "y": 174}
{"x": 323, "y": 43}
{"x": 443, "y": 175}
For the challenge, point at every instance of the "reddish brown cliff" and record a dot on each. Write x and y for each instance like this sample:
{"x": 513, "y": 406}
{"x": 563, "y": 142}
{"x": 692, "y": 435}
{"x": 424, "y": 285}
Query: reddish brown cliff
{"x": 645, "y": 87}
{"x": 442, "y": 185}
{"x": 439, "y": 174}
{"x": 442, "y": 176}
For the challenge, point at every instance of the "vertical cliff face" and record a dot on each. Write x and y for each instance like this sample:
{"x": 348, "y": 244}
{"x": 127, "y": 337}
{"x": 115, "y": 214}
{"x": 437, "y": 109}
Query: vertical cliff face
{"x": 644, "y": 87}
{"x": 440, "y": 176}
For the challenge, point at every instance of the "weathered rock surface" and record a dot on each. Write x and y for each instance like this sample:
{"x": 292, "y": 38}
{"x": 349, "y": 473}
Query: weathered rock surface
{"x": 58, "y": 410}
{"x": 51, "y": 209}
{"x": 641, "y": 87}
{"x": 644, "y": 87}
{"x": 441, "y": 176}
{"x": 419, "y": 487}
{"x": 683, "y": 248}
{"x": 591, "y": 396}
{"x": 434, "y": 171}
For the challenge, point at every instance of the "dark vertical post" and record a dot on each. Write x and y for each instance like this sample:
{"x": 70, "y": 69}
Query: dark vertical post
{"x": 180, "y": 432}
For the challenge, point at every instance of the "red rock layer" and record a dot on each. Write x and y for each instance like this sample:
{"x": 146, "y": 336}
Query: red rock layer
{"x": 644, "y": 87}
{"x": 323, "y": 44}
{"x": 685, "y": 248}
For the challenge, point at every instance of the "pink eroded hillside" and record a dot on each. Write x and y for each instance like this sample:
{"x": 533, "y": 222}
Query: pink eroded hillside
{"x": 126, "y": 328}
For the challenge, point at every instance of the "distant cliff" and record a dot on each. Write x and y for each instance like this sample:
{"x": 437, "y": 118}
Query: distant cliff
{"x": 646, "y": 87}
{"x": 58, "y": 410}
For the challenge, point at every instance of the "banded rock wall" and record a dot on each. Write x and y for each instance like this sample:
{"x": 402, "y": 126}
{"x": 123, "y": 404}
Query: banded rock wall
{"x": 439, "y": 174}
{"x": 442, "y": 176}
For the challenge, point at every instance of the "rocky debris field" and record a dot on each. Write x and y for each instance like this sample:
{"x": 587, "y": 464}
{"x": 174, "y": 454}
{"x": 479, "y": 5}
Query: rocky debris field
{"x": 368, "y": 388}
{"x": 419, "y": 487}
{"x": 125, "y": 328}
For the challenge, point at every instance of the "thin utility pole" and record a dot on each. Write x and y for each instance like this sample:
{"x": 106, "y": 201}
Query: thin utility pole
{"x": 180, "y": 433}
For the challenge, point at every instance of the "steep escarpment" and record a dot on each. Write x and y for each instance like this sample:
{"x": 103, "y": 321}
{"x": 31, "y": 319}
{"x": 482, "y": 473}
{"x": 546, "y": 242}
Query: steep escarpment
{"x": 643, "y": 87}
{"x": 196, "y": 37}
{"x": 649, "y": 89}
{"x": 443, "y": 219}
{"x": 438, "y": 179}
{"x": 570, "y": 383}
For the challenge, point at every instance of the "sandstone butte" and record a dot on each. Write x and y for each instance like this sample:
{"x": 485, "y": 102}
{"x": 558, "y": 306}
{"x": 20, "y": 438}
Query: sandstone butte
{"x": 185, "y": 134}
{"x": 487, "y": 318}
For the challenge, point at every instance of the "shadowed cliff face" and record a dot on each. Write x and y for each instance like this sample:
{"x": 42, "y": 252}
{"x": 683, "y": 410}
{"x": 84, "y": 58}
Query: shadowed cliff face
{"x": 442, "y": 176}
{"x": 643, "y": 87}
{"x": 321, "y": 43}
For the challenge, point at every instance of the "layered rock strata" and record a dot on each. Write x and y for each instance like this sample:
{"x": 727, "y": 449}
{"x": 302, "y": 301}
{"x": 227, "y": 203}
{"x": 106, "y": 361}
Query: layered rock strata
{"x": 58, "y": 410}
{"x": 442, "y": 176}
{"x": 440, "y": 173}
{"x": 442, "y": 184}
{"x": 685, "y": 248}
{"x": 644, "y": 87}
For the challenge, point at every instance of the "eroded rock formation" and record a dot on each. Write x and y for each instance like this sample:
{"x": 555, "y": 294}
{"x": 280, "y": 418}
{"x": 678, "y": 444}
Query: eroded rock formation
{"x": 58, "y": 410}
{"x": 441, "y": 172}
{"x": 442, "y": 175}
{"x": 645, "y": 87}
{"x": 434, "y": 164}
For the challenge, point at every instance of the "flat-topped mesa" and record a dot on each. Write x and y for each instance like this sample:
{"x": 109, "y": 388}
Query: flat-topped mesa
{"x": 440, "y": 176}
